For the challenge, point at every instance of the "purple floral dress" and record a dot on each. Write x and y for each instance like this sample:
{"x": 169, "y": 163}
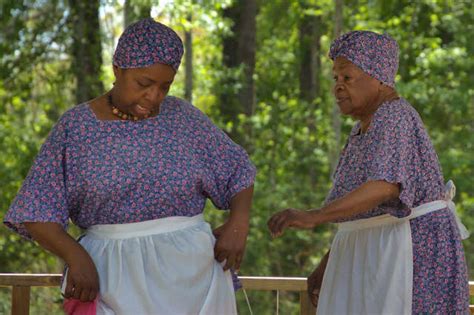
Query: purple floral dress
{"x": 110, "y": 172}
{"x": 396, "y": 148}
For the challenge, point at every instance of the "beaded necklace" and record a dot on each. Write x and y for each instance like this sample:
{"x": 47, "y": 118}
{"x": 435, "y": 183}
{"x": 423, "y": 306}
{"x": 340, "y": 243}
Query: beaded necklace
{"x": 117, "y": 112}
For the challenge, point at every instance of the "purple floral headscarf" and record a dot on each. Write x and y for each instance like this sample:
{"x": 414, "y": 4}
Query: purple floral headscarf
{"x": 147, "y": 42}
{"x": 375, "y": 54}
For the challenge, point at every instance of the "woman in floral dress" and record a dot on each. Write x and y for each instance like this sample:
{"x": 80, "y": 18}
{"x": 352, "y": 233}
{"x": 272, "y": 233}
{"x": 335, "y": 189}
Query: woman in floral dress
{"x": 398, "y": 247}
{"x": 134, "y": 168}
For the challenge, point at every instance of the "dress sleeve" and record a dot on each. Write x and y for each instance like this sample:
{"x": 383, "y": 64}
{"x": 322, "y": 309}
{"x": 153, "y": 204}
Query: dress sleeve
{"x": 228, "y": 169}
{"x": 42, "y": 197}
{"x": 396, "y": 150}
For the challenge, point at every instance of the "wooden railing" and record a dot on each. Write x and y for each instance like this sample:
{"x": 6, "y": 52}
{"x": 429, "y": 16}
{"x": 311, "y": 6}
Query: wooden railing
{"x": 22, "y": 283}
{"x": 281, "y": 284}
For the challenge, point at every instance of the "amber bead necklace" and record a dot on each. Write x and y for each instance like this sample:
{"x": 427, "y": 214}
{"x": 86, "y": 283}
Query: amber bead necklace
{"x": 117, "y": 112}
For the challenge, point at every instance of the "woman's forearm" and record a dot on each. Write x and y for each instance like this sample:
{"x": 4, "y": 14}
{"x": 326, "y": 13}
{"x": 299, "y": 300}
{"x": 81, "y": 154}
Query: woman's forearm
{"x": 53, "y": 238}
{"x": 82, "y": 279}
{"x": 240, "y": 207}
{"x": 231, "y": 237}
{"x": 364, "y": 198}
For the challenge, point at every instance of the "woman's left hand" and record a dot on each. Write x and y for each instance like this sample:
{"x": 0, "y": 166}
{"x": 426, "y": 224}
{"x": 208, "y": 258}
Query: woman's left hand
{"x": 290, "y": 218}
{"x": 230, "y": 244}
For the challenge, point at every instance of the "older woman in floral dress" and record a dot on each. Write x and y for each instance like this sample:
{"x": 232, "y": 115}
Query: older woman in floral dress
{"x": 398, "y": 247}
{"x": 134, "y": 168}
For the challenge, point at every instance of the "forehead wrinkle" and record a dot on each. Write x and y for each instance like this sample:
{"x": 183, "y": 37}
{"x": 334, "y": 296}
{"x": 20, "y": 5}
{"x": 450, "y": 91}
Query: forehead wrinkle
{"x": 154, "y": 74}
{"x": 153, "y": 81}
{"x": 342, "y": 62}
{"x": 144, "y": 76}
{"x": 347, "y": 66}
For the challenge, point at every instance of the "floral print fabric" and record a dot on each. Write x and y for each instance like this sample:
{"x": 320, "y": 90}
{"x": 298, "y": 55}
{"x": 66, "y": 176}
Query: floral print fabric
{"x": 396, "y": 148}
{"x": 375, "y": 54}
{"x": 111, "y": 172}
{"x": 147, "y": 42}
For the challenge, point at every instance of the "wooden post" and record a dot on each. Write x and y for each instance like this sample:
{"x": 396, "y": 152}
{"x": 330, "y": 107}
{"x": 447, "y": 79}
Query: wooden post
{"x": 21, "y": 300}
{"x": 306, "y": 307}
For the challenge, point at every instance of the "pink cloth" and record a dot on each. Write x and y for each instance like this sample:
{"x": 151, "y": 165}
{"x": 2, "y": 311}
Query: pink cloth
{"x": 76, "y": 307}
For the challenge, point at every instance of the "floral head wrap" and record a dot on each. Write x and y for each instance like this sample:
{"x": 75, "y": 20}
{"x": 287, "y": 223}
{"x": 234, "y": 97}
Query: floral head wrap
{"x": 147, "y": 42}
{"x": 375, "y": 54}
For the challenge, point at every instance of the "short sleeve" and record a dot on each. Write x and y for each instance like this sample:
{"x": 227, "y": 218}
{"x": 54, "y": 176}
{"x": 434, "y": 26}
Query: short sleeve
{"x": 42, "y": 197}
{"x": 228, "y": 169}
{"x": 395, "y": 151}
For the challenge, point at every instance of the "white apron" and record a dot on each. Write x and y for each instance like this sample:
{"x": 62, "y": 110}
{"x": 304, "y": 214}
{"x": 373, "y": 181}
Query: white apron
{"x": 370, "y": 266}
{"x": 164, "y": 266}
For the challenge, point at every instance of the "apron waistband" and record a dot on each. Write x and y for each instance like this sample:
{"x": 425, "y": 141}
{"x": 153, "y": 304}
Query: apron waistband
{"x": 387, "y": 219}
{"x": 449, "y": 193}
{"x": 137, "y": 229}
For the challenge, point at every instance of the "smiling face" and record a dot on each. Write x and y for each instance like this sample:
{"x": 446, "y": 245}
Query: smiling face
{"x": 356, "y": 92}
{"x": 140, "y": 91}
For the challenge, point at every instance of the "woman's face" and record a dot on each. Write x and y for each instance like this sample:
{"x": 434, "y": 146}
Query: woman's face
{"x": 140, "y": 91}
{"x": 356, "y": 92}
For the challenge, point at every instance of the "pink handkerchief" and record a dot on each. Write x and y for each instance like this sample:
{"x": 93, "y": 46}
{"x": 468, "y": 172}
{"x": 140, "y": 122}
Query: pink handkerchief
{"x": 76, "y": 307}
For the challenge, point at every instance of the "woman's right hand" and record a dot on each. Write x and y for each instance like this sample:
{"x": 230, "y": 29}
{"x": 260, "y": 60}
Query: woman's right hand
{"x": 287, "y": 218}
{"x": 82, "y": 280}
{"x": 315, "y": 281}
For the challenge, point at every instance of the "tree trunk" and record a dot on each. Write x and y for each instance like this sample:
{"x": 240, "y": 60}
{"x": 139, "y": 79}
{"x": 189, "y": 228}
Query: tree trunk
{"x": 230, "y": 107}
{"x": 247, "y": 48}
{"x": 239, "y": 51}
{"x": 310, "y": 67}
{"x": 338, "y": 18}
{"x": 136, "y": 10}
{"x": 188, "y": 55}
{"x": 86, "y": 49}
{"x": 336, "y": 115}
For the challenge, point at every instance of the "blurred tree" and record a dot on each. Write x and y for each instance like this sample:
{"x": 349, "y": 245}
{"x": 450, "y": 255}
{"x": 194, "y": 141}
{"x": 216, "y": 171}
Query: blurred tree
{"x": 86, "y": 49}
{"x": 135, "y": 10}
{"x": 336, "y": 115}
{"x": 188, "y": 55}
{"x": 239, "y": 50}
{"x": 310, "y": 30}
{"x": 35, "y": 88}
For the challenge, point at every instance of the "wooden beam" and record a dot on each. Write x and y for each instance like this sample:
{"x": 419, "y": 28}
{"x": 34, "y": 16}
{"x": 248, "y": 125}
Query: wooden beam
{"x": 21, "y": 284}
{"x": 274, "y": 283}
{"x": 30, "y": 280}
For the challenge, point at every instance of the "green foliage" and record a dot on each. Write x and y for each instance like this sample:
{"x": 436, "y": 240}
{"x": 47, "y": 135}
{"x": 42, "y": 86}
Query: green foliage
{"x": 436, "y": 76}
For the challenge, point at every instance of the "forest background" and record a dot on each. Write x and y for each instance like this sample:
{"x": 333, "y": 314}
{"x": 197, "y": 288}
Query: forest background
{"x": 260, "y": 70}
